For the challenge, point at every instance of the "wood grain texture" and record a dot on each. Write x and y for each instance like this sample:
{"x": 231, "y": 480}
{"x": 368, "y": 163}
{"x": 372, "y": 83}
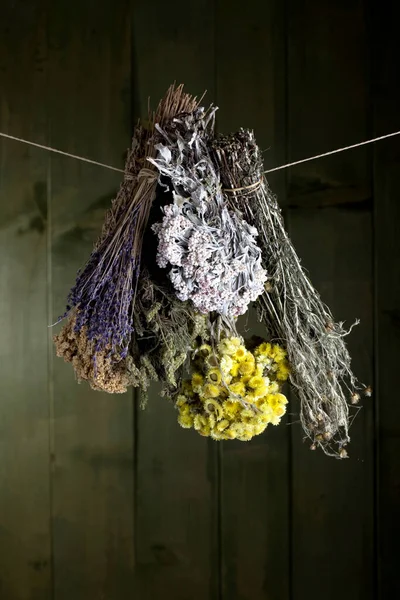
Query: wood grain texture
{"x": 328, "y": 93}
{"x": 386, "y": 94}
{"x": 177, "y": 470}
{"x": 333, "y": 500}
{"x": 251, "y": 91}
{"x": 25, "y": 549}
{"x": 89, "y": 108}
{"x": 332, "y": 510}
{"x": 102, "y": 501}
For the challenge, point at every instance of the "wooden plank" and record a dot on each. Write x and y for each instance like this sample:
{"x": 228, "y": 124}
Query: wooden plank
{"x": 328, "y": 94}
{"x": 254, "y": 475}
{"x": 177, "y": 470}
{"x": 332, "y": 501}
{"x": 89, "y": 105}
{"x": 25, "y": 548}
{"x": 346, "y": 196}
{"x": 386, "y": 87}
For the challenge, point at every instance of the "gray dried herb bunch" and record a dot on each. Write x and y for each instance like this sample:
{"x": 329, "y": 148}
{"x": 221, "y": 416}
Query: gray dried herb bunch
{"x": 210, "y": 250}
{"x": 291, "y": 309}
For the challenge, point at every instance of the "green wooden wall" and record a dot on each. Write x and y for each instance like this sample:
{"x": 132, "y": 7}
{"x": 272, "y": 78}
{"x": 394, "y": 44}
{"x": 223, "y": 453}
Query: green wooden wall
{"x": 98, "y": 499}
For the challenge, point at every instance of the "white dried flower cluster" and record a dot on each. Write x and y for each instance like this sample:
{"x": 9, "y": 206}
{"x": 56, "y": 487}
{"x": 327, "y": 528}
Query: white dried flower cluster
{"x": 217, "y": 266}
{"x": 214, "y": 257}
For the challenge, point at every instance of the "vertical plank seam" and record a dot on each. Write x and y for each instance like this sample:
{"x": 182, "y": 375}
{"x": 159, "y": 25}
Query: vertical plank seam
{"x": 375, "y": 340}
{"x": 49, "y": 312}
{"x": 134, "y": 399}
{"x": 286, "y": 157}
{"x": 375, "y": 417}
{"x": 50, "y": 383}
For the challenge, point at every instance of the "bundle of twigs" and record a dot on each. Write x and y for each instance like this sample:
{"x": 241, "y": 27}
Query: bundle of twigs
{"x": 291, "y": 308}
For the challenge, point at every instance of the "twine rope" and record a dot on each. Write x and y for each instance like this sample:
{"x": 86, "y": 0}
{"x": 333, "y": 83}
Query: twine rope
{"x": 285, "y": 166}
{"x": 298, "y": 162}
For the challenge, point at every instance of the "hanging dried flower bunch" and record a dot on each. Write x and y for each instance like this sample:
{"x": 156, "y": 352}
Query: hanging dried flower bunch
{"x": 234, "y": 392}
{"x": 192, "y": 239}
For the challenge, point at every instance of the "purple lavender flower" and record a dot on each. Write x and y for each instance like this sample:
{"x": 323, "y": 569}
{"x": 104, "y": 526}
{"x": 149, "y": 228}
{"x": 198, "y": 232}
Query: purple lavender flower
{"x": 104, "y": 289}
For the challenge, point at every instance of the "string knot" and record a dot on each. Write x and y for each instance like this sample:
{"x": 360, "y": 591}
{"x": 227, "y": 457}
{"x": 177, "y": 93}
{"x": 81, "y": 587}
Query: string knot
{"x": 149, "y": 174}
{"x": 144, "y": 173}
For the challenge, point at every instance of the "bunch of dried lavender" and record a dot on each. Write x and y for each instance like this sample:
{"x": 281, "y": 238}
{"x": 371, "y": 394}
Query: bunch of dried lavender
{"x": 291, "y": 308}
{"x": 215, "y": 259}
{"x": 101, "y": 303}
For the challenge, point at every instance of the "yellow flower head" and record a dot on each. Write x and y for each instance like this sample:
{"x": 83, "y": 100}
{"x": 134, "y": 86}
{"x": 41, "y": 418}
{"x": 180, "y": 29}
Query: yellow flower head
{"x": 226, "y": 364}
{"x": 247, "y": 413}
{"x": 211, "y": 391}
{"x": 200, "y": 421}
{"x": 217, "y": 435}
{"x": 275, "y": 420}
{"x": 211, "y": 420}
{"x": 237, "y": 388}
{"x": 205, "y": 431}
{"x": 231, "y": 409}
{"x": 250, "y": 396}
{"x": 263, "y": 405}
{"x": 223, "y": 392}
{"x": 240, "y": 354}
{"x": 185, "y": 420}
{"x": 184, "y": 409}
{"x": 225, "y": 347}
{"x": 245, "y": 379}
{"x": 235, "y": 369}
{"x": 222, "y": 425}
{"x": 246, "y": 367}
{"x": 214, "y": 376}
{"x": 260, "y": 427}
{"x": 197, "y": 380}
{"x": 283, "y": 371}
{"x": 264, "y": 349}
{"x": 229, "y": 434}
{"x": 205, "y": 350}
{"x": 273, "y": 387}
{"x": 237, "y": 429}
{"x": 261, "y": 390}
{"x": 235, "y": 341}
{"x": 247, "y": 434}
{"x": 256, "y": 382}
{"x": 272, "y": 400}
{"x": 278, "y": 353}
{"x": 281, "y": 399}
{"x": 213, "y": 407}
{"x": 259, "y": 370}
{"x": 279, "y": 411}
{"x": 180, "y": 401}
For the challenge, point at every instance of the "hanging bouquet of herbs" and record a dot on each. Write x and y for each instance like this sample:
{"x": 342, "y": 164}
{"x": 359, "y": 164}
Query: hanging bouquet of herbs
{"x": 192, "y": 239}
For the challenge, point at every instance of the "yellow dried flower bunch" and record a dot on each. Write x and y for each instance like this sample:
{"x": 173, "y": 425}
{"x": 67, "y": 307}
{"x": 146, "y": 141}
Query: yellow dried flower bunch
{"x": 234, "y": 393}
